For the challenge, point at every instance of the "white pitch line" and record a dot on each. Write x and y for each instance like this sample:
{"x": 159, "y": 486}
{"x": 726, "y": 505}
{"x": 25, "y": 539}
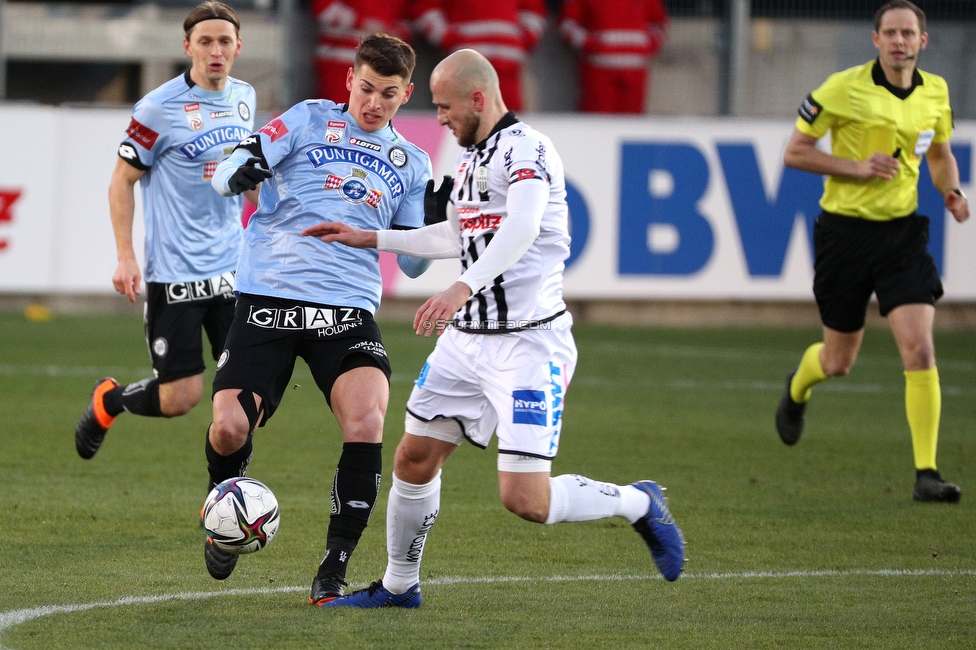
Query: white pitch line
{"x": 17, "y": 616}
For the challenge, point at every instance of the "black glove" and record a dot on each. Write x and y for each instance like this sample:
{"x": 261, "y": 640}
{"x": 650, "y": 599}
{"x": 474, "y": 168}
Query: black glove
{"x": 248, "y": 176}
{"x": 435, "y": 203}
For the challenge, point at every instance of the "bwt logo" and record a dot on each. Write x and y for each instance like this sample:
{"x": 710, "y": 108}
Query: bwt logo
{"x": 529, "y": 407}
{"x": 7, "y": 200}
{"x": 763, "y": 217}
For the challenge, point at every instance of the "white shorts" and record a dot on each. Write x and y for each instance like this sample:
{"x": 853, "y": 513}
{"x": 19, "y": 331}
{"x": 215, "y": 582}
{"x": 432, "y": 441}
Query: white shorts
{"x": 516, "y": 382}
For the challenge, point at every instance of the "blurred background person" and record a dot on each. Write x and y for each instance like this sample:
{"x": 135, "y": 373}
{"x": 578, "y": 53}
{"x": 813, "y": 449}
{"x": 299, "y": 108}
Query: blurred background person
{"x": 615, "y": 40}
{"x": 341, "y": 25}
{"x": 503, "y": 31}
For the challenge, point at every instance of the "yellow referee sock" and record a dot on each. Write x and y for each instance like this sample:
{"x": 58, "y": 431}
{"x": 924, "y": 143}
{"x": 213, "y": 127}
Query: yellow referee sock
{"x": 923, "y": 404}
{"x": 809, "y": 374}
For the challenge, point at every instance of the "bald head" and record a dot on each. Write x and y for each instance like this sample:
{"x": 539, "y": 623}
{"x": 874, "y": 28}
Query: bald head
{"x": 465, "y": 90}
{"x": 466, "y": 71}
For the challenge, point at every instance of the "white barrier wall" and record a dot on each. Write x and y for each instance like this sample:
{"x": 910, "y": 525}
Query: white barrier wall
{"x": 661, "y": 208}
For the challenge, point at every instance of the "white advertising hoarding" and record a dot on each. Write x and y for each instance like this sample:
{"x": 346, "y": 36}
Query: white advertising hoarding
{"x": 661, "y": 208}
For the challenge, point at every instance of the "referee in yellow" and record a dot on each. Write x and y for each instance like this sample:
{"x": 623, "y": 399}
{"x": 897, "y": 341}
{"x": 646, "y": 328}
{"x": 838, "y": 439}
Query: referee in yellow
{"x": 883, "y": 117}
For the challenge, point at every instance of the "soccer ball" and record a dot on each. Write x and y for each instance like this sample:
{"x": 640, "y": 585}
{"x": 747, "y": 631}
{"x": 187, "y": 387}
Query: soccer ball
{"x": 241, "y": 515}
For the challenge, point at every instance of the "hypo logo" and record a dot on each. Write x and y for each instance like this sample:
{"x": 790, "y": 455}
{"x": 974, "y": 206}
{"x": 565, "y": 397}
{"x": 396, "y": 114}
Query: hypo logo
{"x": 7, "y": 200}
{"x": 529, "y": 407}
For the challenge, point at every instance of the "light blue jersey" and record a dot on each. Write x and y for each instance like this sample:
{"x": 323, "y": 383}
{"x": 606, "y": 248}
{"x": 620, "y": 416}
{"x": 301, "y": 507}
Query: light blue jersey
{"x": 325, "y": 169}
{"x": 178, "y": 134}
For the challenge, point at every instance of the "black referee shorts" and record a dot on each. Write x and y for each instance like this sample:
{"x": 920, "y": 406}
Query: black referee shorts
{"x": 269, "y": 334}
{"x": 855, "y": 257}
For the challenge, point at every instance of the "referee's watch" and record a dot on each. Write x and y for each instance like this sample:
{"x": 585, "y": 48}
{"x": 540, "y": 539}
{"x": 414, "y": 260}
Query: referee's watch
{"x": 958, "y": 191}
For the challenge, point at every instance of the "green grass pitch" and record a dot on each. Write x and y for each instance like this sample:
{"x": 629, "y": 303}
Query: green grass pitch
{"x": 815, "y": 546}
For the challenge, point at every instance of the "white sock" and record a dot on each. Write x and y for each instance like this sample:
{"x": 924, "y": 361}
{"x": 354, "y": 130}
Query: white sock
{"x": 576, "y": 498}
{"x": 410, "y": 514}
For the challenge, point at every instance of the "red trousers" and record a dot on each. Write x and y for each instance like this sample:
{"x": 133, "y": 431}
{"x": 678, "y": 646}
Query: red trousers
{"x": 608, "y": 90}
{"x": 331, "y": 77}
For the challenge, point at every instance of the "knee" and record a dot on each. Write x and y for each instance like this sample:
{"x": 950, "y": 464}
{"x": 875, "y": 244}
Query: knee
{"x": 415, "y": 466}
{"x": 920, "y": 356}
{"x": 366, "y": 426}
{"x": 228, "y": 431}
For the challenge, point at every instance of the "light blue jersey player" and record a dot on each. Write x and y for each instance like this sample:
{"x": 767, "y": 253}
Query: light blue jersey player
{"x": 177, "y": 135}
{"x": 301, "y": 297}
{"x": 325, "y": 164}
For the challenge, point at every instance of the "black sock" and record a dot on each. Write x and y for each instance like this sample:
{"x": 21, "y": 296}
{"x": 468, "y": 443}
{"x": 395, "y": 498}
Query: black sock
{"x": 140, "y": 398}
{"x": 354, "y": 490}
{"x": 337, "y": 554}
{"x": 222, "y": 468}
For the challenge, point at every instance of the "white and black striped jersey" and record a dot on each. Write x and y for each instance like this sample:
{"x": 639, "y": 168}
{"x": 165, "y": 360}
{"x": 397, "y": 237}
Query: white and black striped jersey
{"x": 530, "y": 291}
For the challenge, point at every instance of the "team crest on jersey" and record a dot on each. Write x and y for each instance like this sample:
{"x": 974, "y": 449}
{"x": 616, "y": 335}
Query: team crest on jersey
{"x": 334, "y": 131}
{"x": 481, "y": 177}
{"x": 354, "y": 189}
{"x": 243, "y": 111}
{"x": 398, "y": 157}
{"x": 193, "y": 116}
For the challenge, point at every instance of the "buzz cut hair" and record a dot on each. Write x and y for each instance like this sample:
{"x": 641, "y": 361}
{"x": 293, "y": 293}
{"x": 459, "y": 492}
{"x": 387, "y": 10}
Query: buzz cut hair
{"x": 387, "y": 55}
{"x": 900, "y": 4}
{"x": 211, "y": 10}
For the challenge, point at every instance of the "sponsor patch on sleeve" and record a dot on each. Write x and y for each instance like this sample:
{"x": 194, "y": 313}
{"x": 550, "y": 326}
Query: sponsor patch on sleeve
{"x": 274, "y": 129}
{"x": 810, "y": 109}
{"x": 142, "y": 134}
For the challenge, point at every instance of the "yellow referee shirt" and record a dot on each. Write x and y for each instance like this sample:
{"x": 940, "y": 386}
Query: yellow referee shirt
{"x": 865, "y": 114}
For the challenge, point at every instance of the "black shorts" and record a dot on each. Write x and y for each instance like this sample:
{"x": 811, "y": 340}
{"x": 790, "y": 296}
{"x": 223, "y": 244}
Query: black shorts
{"x": 856, "y": 257}
{"x": 268, "y": 334}
{"x": 174, "y": 315}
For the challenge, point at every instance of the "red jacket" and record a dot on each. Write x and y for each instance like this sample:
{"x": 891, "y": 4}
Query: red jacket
{"x": 619, "y": 34}
{"x": 343, "y": 23}
{"x": 501, "y": 30}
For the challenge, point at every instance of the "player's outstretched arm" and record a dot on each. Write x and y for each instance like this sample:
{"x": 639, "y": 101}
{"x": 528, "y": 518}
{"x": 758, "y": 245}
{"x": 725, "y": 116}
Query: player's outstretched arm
{"x": 336, "y": 231}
